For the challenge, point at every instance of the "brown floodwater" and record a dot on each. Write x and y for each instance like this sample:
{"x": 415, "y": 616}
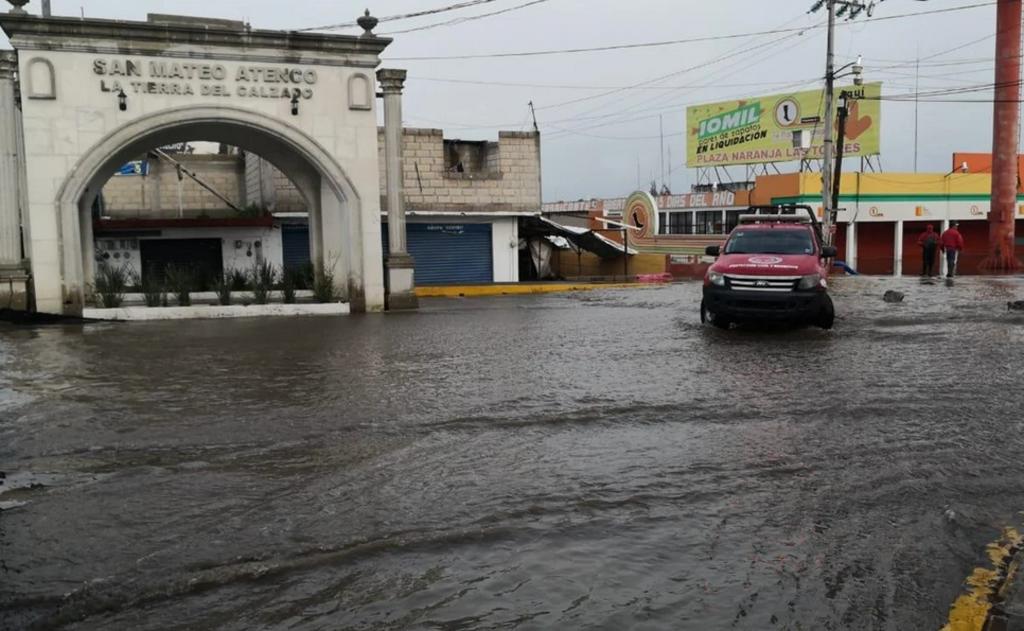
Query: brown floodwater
{"x": 581, "y": 461}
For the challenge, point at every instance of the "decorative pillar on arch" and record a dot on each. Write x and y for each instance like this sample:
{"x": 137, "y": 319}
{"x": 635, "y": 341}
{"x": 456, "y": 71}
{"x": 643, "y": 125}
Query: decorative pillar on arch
{"x": 400, "y": 265}
{"x": 13, "y": 276}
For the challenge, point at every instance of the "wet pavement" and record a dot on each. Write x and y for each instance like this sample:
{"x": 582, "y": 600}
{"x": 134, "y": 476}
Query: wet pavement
{"x": 583, "y": 461}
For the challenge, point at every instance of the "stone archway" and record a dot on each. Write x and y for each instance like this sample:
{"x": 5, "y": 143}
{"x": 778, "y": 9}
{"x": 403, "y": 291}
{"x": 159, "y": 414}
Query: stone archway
{"x": 337, "y": 233}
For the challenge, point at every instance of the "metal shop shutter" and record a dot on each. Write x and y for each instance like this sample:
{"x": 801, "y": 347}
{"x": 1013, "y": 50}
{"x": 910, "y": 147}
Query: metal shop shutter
{"x": 449, "y": 253}
{"x": 295, "y": 245}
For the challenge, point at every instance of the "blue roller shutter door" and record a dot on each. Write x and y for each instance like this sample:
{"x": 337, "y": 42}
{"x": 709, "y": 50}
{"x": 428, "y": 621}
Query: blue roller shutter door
{"x": 449, "y": 253}
{"x": 295, "y": 245}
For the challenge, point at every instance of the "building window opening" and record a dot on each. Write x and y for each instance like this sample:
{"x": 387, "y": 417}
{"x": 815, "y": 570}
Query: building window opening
{"x": 681, "y": 223}
{"x": 732, "y": 219}
{"x": 471, "y": 157}
{"x": 709, "y": 222}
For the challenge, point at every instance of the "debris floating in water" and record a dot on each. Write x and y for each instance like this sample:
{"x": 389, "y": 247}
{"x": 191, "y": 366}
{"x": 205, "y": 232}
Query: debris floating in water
{"x": 893, "y": 296}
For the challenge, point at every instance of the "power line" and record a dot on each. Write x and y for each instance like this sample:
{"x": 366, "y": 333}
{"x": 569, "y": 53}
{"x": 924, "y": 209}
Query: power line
{"x": 902, "y": 62}
{"x": 404, "y": 16}
{"x": 554, "y": 86}
{"x": 471, "y": 18}
{"x": 563, "y": 131}
{"x": 666, "y": 76}
{"x": 665, "y": 106}
{"x": 580, "y": 118}
{"x": 926, "y": 96}
{"x": 566, "y": 51}
{"x": 931, "y": 56}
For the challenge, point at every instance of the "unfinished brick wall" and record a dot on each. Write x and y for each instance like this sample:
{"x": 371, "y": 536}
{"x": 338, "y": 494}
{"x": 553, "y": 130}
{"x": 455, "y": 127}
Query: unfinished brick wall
{"x": 267, "y": 187}
{"x": 156, "y": 195}
{"x": 509, "y": 181}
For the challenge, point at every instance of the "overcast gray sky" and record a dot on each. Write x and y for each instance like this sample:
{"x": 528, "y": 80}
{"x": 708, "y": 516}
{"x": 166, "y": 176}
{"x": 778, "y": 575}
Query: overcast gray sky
{"x": 586, "y": 156}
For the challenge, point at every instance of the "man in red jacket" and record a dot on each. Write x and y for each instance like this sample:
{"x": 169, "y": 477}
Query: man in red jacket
{"x": 952, "y": 243}
{"x": 929, "y": 242}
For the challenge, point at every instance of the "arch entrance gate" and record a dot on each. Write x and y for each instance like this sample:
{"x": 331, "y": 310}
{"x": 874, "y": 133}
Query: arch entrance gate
{"x": 95, "y": 94}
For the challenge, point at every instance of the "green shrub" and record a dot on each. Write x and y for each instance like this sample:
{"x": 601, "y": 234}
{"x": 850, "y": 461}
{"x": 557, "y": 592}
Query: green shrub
{"x": 153, "y": 291}
{"x": 111, "y": 284}
{"x": 323, "y": 284}
{"x": 180, "y": 280}
{"x": 291, "y": 281}
{"x": 307, "y": 274}
{"x": 223, "y": 285}
{"x": 262, "y": 277}
{"x": 239, "y": 280}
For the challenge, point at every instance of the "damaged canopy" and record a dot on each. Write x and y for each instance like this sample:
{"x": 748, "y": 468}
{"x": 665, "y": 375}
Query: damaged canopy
{"x": 582, "y": 238}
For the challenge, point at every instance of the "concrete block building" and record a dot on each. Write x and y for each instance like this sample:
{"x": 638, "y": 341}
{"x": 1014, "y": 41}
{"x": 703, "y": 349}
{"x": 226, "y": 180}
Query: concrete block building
{"x": 462, "y": 199}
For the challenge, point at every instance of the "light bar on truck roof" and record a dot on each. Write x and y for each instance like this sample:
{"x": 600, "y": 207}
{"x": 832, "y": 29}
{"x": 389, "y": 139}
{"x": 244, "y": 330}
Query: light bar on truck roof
{"x": 774, "y": 219}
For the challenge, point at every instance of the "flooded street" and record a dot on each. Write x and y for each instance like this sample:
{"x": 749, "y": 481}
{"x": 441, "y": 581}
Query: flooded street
{"x": 580, "y": 461}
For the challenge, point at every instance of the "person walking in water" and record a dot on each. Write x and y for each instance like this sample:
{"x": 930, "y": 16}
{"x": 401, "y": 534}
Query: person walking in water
{"x": 952, "y": 243}
{"x": 929, "y": 242}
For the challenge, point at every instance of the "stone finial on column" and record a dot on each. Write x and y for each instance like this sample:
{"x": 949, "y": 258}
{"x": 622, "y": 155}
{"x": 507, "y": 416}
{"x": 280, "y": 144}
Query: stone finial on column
{"x": 367, "y": 22}
{"x": 18, "y": 4}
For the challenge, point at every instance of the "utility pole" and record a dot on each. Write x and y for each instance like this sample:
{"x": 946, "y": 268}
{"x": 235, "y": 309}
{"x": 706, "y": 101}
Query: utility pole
{"x": 670, "y": 169}
{"x": 661, "y": 132}
{"x": 826, "y": 166}
{"x": 849, "y": 9}
{"x": 917, "y": 104}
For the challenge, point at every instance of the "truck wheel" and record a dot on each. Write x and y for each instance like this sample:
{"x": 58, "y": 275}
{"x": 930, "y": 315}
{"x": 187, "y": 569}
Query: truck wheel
{"x": 707, "y": 317}
{"x": 827, "y": 315}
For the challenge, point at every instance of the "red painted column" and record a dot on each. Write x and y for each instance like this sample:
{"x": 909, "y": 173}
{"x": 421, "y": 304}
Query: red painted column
{"x": 1005, "y": 128}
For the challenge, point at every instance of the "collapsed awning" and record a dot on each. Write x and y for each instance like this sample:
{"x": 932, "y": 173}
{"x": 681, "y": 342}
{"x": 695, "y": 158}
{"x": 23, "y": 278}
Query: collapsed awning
{"x": 582, "y": 238}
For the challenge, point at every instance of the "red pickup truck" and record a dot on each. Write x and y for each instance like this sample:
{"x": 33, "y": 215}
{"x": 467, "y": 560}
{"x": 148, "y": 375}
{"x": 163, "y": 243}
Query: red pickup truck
{"x": 772, "y": 267}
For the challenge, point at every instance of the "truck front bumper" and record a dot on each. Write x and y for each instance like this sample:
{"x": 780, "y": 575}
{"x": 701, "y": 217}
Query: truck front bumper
{"x": 737, "y": 305}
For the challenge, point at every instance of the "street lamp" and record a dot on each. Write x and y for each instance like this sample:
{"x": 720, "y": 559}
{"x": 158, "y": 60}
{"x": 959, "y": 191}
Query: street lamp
{"x": 849, "y": 9}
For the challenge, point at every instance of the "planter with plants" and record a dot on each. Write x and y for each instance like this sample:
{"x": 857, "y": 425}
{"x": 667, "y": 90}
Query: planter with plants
{"x": 153, "y": 291}
{"x": 223, "y": 285}
{"x": 112, "y": 284}
{"x": 180, "y": 280}
{"x": 262, "y": 278}
{"x": 323, "y": 284}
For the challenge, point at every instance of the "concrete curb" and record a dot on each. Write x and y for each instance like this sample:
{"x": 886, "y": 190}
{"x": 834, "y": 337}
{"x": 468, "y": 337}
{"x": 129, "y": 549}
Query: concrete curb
{"x": 992, "y": 598}
{"x": 476, "y": 291}
{"x": 199, "y": 312}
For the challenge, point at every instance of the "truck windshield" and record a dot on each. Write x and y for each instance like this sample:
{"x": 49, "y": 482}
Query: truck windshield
{"x": 770, "y": 241}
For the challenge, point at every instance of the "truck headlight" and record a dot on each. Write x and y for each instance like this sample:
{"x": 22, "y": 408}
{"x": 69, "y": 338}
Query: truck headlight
{"x": 812, "y": 281}
{"x": 716, "y": 278}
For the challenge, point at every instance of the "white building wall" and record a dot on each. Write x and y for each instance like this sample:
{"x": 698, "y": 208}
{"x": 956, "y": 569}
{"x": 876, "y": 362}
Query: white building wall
{"x": 236, "y": 246}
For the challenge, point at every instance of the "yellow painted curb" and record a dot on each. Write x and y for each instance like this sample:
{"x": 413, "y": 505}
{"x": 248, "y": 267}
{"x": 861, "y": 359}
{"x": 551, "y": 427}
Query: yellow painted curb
{"x": 475, "y": 291}
{"x": 971, "y": 610}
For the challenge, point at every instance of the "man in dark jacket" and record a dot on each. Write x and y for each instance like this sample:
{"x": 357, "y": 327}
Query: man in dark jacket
{"x": 952, "y": 243}
{"x": 929, "y": 242}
